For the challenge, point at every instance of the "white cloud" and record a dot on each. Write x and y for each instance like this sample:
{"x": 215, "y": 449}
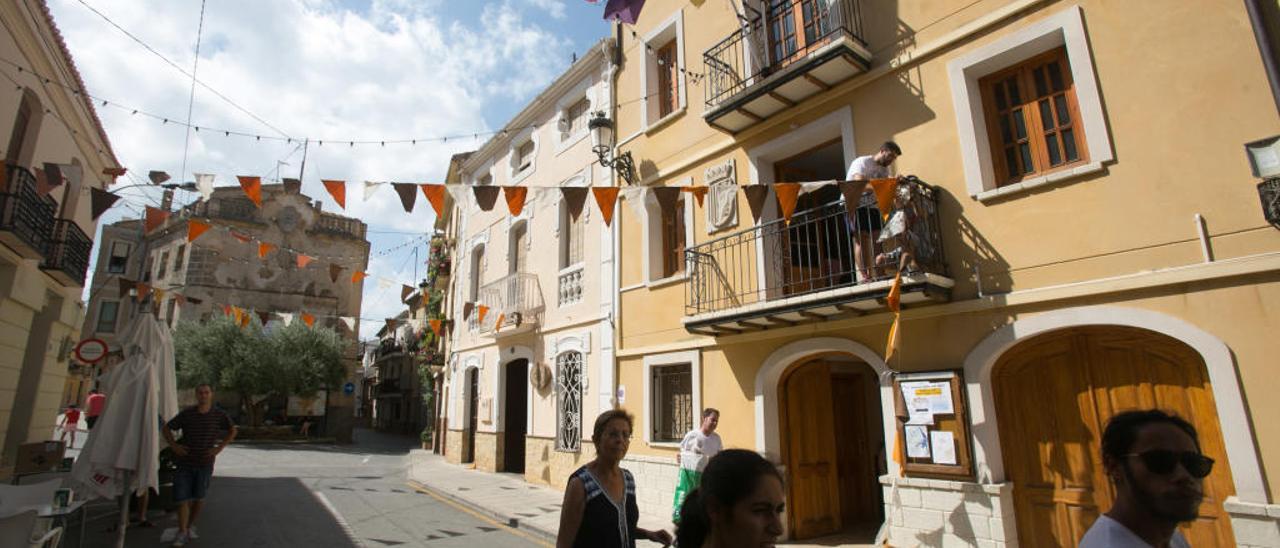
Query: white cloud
{"x": 311, "y": 68}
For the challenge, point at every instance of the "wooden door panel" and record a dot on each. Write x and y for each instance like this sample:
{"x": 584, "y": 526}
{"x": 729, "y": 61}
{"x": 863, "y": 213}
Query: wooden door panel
{"x": 811, "y": 452}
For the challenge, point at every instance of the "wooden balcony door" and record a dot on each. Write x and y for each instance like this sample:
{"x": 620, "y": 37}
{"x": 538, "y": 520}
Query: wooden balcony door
{"x": 1054, "y": 396}
{"x": 793, "y": 28}
{"x": 818, "y": 253}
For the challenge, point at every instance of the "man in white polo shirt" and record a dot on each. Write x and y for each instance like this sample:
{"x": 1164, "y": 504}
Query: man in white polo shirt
{"x": 868, "y": 221}
{"x": 698, "y": 446}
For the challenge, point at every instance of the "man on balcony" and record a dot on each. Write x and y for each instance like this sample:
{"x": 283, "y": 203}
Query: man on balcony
{"x": 867, "y": 223}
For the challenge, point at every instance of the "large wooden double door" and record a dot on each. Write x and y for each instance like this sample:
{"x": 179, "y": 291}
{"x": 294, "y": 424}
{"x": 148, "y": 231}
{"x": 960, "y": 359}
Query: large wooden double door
{"x": 1054, "y": 395}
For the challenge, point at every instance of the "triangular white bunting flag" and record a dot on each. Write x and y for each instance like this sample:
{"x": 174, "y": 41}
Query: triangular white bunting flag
{"x": 204, "y": 184}
{"x": 806, "y": 188}
{"x": 635, "y": 196}
{"x": 384, "y": 283}
{"x": 287, "y": 318}
{"x": 349, "y": 321}
{"x": 460, "y": 194}
{"x": 370, "y": 187}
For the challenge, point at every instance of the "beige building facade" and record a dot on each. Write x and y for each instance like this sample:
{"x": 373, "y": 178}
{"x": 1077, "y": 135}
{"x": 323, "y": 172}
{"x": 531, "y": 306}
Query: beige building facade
{"x": 520, "y": 394}
{"x": 46, "y": 237}
{"x": 1084, "y": 237}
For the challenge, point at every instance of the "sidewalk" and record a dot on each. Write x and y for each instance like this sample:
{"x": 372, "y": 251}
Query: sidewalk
{"x": 504, "y": 497}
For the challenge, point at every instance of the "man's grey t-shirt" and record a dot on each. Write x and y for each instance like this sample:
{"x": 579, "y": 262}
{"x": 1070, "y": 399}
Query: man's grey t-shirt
{"x": 1109, "y": 533}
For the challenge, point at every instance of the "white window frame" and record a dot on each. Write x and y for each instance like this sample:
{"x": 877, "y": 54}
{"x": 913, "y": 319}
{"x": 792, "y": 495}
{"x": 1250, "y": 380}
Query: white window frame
{"x": 691, "y": 357}
{"x": 516, "y": 174}
{"x": 672, "y": 28}
{"x": 582, "y": 179}
{"x": 1062, "y": 29}
{"x": 653, "y": 236}
{"x": 564, "y": 139}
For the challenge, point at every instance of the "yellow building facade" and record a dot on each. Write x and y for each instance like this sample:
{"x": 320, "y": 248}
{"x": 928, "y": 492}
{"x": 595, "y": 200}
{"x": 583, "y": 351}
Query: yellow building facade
{"x": 1083, "y": 236}
{"x": 46, "y": 236}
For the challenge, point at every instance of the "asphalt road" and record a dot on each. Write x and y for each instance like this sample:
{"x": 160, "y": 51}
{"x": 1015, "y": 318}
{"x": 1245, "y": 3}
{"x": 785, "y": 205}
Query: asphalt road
{"x": 318, "y": 496}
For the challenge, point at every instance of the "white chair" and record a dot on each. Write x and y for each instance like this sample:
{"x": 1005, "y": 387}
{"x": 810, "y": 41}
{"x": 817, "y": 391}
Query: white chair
{"x": 16, "y": 532}
{"x": 19, "y": 497}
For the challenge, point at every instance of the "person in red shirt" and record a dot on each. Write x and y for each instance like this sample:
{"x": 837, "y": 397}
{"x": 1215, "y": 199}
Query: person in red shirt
{"x": 93, "y": 405}
{"x": 70, "y": 419}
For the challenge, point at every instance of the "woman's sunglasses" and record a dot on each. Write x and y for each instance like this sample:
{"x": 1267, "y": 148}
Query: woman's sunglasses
{"x": 1163, "y": 462}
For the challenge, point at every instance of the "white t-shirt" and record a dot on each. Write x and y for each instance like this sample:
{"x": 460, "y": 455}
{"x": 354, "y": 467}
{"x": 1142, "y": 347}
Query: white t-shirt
{"x": 1109, "y": 533}
{"x": 867, "y": 167}
{"x": 697, "y": 448}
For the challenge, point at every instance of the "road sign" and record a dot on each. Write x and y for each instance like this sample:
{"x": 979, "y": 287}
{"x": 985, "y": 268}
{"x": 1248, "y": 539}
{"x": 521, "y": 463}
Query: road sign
{"x": 349, "y": 388}
{"x": 91, "y": 350}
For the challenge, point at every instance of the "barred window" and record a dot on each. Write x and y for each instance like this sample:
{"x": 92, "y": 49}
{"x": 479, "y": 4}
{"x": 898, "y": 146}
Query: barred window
{"x": 672, "y": 404}
{"x": 569, "y": 402}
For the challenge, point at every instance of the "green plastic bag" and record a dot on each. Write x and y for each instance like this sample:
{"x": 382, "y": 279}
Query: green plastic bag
{"x": 689, "y": 480}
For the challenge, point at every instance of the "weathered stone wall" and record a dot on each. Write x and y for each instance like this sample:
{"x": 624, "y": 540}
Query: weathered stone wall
{"x": 544, "y": 465}
{"x": 453, "y": 446}
{"x": 488, "y": 451}
{"x": 1255, "y": 525}
{"x": 925, "y": 512}
{"x": 655, "y": 482}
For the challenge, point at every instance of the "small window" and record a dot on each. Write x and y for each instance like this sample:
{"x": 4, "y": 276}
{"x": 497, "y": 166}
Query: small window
{"x": 1033, "y": 118}
{"x": 107, "y": 312}
{"x": 164, "y": 266}
{"x": 118, "y": 262}
{"x": 673, "y": 239}
{"x": 524, "y": 157}
{"x": 668, "y": 79}
{"x": 178, "y": 257}
{"x": 672, "y": 404}
{"x": 577, "y": 116}
{"x": 571, "y": 235}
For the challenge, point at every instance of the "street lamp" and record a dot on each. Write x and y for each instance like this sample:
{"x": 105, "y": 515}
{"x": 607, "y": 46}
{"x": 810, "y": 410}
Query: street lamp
{"x": 188, "y": 186}
{"x": 602, "y": 143}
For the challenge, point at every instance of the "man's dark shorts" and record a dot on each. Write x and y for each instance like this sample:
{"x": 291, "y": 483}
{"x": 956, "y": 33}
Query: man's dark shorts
{"x": 91, "y": 420}
{"x": 191, "y": 482}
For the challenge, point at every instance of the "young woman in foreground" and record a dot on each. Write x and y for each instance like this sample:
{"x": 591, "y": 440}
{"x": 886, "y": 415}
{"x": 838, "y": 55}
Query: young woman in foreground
{"x": 738, "y": 504}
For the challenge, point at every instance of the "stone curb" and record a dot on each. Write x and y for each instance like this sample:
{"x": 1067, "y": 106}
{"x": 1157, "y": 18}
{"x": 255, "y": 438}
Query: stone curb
{"x": 510, "y": 521}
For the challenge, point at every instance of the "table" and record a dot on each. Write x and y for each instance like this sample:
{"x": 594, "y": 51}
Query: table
{"x": 61, "y": 515}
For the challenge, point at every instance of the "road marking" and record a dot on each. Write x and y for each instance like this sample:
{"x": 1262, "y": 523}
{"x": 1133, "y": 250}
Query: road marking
{"x": 481, "y": 517}
{"x": 342, "y": 522}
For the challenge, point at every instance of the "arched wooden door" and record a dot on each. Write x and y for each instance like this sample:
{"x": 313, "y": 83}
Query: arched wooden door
{"x": 1054, "y": 395}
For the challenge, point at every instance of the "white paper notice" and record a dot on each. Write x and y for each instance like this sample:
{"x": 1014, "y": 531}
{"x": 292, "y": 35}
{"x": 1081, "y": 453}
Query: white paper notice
{"x": 917, "y": 441}
{"x": 944, "y": 447}
{"x": 918, "y": 411}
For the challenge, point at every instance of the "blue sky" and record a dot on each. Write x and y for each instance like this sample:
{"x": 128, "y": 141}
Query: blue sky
{"x": 324, "y": 69}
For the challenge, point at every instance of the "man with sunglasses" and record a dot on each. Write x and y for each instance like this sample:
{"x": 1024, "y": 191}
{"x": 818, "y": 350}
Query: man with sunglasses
{"x": 1153, "y": 458}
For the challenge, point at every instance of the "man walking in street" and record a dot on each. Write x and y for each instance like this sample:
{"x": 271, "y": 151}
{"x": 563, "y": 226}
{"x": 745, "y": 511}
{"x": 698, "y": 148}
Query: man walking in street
{"x": 206, "y": 431}
{"x": 698, "y": 446}
{"x": 93, "y": 406}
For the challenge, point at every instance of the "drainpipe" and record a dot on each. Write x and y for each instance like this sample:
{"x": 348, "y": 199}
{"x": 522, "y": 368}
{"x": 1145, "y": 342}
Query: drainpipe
{"x": 615, "y": 271}
{"x": 1264, "y": 38}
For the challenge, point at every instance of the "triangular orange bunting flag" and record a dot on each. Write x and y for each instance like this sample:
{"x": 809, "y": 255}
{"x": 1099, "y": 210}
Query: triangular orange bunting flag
{"x": 482, "y": 310}
{"x": 244, "y": 238}
{"x": 155, "y": 218}
{"x": 196, "y": 228}
{"x": 894, "y": 300}
{"x": 435, "y": 195}
{"x": 357, "y": 276}
{"x": 158, "y": 294}
{"x": 264, "y": 248}
{"x": 606, "y": 197}
{"x": 698, "y": 192}
{"x": 245, "y": 318}
{"x": 304, "y": 260}
{"x": 515, "y": 196}
{"x": 498, "y": 324}
{"x": 435, "y": 326}
{"x": 788, "y": 195}
{"x": 337, "y": 189}
{"x": 884, "y": 189}
{"x": 308, "y": 319}
{"x": 252, "y": 188}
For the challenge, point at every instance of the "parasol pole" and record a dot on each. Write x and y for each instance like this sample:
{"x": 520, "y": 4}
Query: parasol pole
{"x": 124, "y": 510}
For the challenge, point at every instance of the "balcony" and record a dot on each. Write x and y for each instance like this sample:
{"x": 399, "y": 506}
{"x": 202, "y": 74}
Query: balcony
{"x": 26, "y": 218}
{"x": 823, "y": 264}
{"x": 68, "y": 257}
{"x": 517, "y": 300}
{"x": 569, "y": 290}
{"x": 794, "y": 50}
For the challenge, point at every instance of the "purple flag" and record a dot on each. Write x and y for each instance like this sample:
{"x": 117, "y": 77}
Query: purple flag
{"x": 626, "y": 11}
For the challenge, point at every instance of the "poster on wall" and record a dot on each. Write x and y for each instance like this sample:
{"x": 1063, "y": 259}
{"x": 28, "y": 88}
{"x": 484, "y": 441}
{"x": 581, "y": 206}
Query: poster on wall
{"x": 927, "y": 398}
{"x": 917, "y": 441}
{"x": 944, "y": 447}
{"x": 310, "y": 405}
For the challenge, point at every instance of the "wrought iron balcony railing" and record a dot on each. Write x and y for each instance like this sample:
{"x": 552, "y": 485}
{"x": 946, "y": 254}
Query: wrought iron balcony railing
{"x": 822, "y": 249}
{"x": 785, "y": 32}
{"x": 68, "y": 257}
{"x": 26, "y": 218}
{"x": 515, "y": 298}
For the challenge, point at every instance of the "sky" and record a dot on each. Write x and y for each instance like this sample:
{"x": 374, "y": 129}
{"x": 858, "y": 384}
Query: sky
{"x": 332, "y": 70}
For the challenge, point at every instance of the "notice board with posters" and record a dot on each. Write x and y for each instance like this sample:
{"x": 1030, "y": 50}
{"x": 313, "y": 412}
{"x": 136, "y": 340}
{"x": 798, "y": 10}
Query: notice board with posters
{"x": 933, "y": 424}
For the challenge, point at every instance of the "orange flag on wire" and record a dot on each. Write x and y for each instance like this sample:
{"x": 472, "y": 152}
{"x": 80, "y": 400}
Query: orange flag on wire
{"x": 308, "y": 319}
{"x": 264, "y": 248}
{"x": 698, "y": 192}
{"x": 482, "y": 310}
{"x": 196, "y": 228}
{"x": 515, "y": 196}
{"x": 304, "y": 260}
{"x": 788, "y": 195}
{"x": 245, "y": 318}
{"x": 435, "y": 326}
{"x": 606, "y": 197}
{"x": 884, "y": 189}
{"x": 435, "y": 195}
{"x": 357, "y": 276}
{"x": 337, "y": 189}
{"x": 244, "y": 238}
{"x": 892, "y": 345}
{"x": 252, "y": 188}
{"x": 498, "y": 324}
{"x": 155, "y": 218}
{"x": 894, "y": 300}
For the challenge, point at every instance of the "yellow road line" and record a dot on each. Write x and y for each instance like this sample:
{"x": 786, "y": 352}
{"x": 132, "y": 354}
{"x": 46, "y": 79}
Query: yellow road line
{"x": 509, "y": 529}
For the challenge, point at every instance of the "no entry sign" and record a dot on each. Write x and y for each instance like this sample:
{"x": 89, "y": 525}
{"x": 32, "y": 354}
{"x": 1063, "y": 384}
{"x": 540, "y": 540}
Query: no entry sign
{"x": 91, "y": 350}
